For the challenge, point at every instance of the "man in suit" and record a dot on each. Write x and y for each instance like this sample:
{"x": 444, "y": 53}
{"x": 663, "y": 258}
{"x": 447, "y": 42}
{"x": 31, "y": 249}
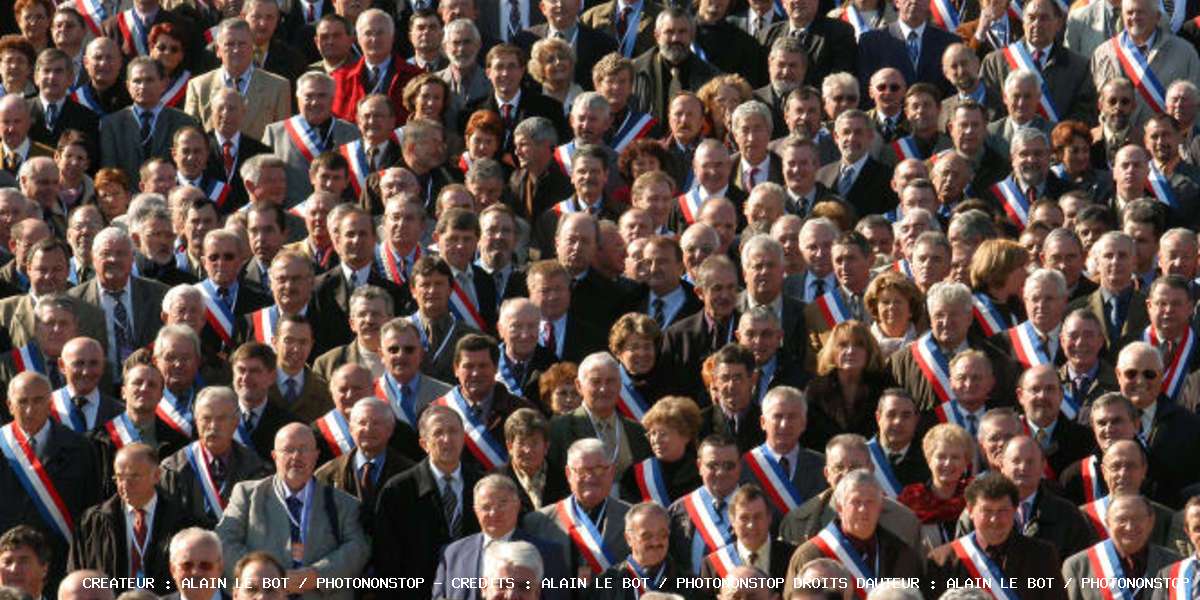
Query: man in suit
{"x": 1137, "y": 522}
{"x": 850, "y": 256}
{"x": 505, "y": 69}
{"x": 265, "y": 94}
{"x": 373, "y": 462}
{"x": 623, "y": 439}
{"x": 369, "y": 308}
{"x": 787, "y": 67}
{"x": 55, "y": 72}
{"x": 968, "y": 133}
{"x": 228, "y": 149}
{"x": 565, "y": 334}
{"x": 527, "y": 439}
{"x": 271, "y": 52}
{"x": 332, "y": 544}
{"x": 829, "y": 43}
{"x": 254, "y": 369}
{"x": 858, "y": 178}
{"x": 46, "y": 267}
{"x": 377, "y": 121}
{"x": 101, "y": 90}
{"x": 695, "y": 531}
{"x": 562, "y": 21}
{"x": 1170, "y": 329}
{"x": 102, "y": 541}
{"x": 1086, "y": 376}
{"x": 667, "y": 298}
{"x": 1090, "y": 26}
{"x": 903, "y": 461}
{"x": 762, "y": 263}
{"x": 649, "y": 567}
{"x": 196, "y": 560}
{"x": 750, "y": 516}
{"x": 1045, "y": 300}
{"x": 498, "y": 258}
{"x": 300, "y": 139}
{"x": 1062, "y": 250}
{"x": 130, "y": 136}
{"x": 887, "y": 90}
{"x": 589, "y": 173}
{"x": 910, "y": 45}
{"x": 379, "y": 71}
{"x": 423, "y": 151}
{"x": 228, "y": 297}
{"x": 538, "y": 184}
{"x": 961, "y": 67}
{"x": 687, "y": 342}
{"x": 1063, "y": 441}
{"x": 297, "y": 387}
{"x": 404, "y": 386}
{"x": 433, "y": 285}
{"x": 671, "y": 65}
{"x": 473, "y": 294}
{"x": 1117, "y": 303}
{"x": 631, "y": 24}
{"x": 1124, "y": 468}
{"x": 131, "y": 305}
{"x": 731, "y": 378}
{"x": 28, "y": 553}
{"x": 1022, "y": 102}
{"x": 440, "y": 488}
{"x": 292, "y": 296}
{"x": 992, "y": 501}
{"x": 79, "y": 405}
{"x": 502, "y": 23}
{"x": 590, "y": 472}
{"x": 857, "y": 534}
{"x": 467, "y": 78}
{"x": 497, "y": 507}
{"x": 753, "y": 129}
{"x": 783, "y": 420}
{"x": 317, "y": 244}
{"x": 17, "y": 146}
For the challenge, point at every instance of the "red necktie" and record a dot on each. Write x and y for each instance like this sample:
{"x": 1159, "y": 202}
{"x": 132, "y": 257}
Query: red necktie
{"x": 508, "y": 114}
{"x": 1032, "y": 193}
{"x": 227, "y": 154}
{"x": 750, "y": 178}
{"x": 548, "y": 333}
{"x": 623, "y": 22}
{"x": 139, "y": 538}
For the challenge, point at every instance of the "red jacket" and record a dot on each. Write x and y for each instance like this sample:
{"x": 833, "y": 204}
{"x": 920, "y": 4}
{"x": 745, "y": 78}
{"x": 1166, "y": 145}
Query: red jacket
{"x": 351, "y": 87}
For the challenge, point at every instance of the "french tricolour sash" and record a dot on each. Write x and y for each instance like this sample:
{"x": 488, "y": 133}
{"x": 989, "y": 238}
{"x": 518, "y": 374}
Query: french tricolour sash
{"x": 584, "y": 535}
{"x": 464, "y": 162}
{"x": 303, "y": 137}
{"x": 905, "y": 147}
{"x": 642, "y": 580}
{"x": 902, "y": 266}
{"x": 133, "y": 30}
{"x": 1024, "y": 340}
{"x": 175, "y": 416}
{"x": 1018, "y": 58}
{"x": 649, "y": 477}
{"x": 265, "y": 321}
{"x": 1161, "y": 186}
{"x": 1137, "y": 69}
{"x": 1059, "y": 170}
{"x": 945, "y": 15}
{"x": 218, "y": 192}
{"x": 567, "y": 207}
{"x": 635, "y": 126}
{"x": 33, "y": 477}
{"x": 198, "y": 458}
{"x": 355, "y": 153}
{"x": 388, "y": 390}
{"x": 951, "y": 412}
{"x": 935, "y": 365}
{"x": 336, "y": 431}
{"x": 393, "y": 266}
{"x": 482, "y": 445}
{"x": 1093, "y": 485}
{"x": 981, "y": 567}
{"x": 1177, "y": 369}
{"x": 833, "y": 544}
{"x": 989, "y": 318}
{"x": 463, "y": 308}
{"x": 712, "y": 528}
{"x": 851, "y": 15}
{"x": 86, "y": 96}
{"x": 690, "y": 204}
{"x": 178, "y": 90}
{"x": 1105, "y": 561}
{"x": 1183, "y": 575}
{"x": 885, "y": 473}
{"x": 773, "y": 480}
{"x": 725, "y": 559}
{"x": 1097, "y": 512}
{"x": 60, "y": 405}
{"x": 28, "y": 358}
{"x": 628, "y": 41}
{"x": 1014, "y": 203}
{"x": 1070, "y": 404}
{"x": 216, "y": 313}
{"x": 563, "y": 155}
{"x": 833, "y": 308}
{"x": 630, "y": 402}
{"x": 93, "y": 14}
{"x": 121, "y": 431}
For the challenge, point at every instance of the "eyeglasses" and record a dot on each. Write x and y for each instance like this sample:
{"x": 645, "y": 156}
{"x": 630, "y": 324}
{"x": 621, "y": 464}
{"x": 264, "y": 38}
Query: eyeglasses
{"x": 1145, "y": 373}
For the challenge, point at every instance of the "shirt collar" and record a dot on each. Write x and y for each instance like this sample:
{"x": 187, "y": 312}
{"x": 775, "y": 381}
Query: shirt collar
{"x": 516, "y": 100}
{"x": 22, "y": 150}
{"x": 93, "y": 397}
{"x": 281, "y": 378}
{"x": 440, "y": 476}
{"x": 148, "y": 508}
{"x": 905, "y": 29}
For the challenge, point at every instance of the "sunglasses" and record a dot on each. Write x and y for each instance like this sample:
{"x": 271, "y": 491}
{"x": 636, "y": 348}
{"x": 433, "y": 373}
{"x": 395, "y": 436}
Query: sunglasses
{"x": 1145, "y": 373}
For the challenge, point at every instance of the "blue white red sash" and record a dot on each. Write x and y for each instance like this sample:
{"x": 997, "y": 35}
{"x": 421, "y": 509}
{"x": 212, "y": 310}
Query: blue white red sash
{"x": 1163, "y": 190}
{"x": 1014, "y": 203}
{"x": 567, "y": 207}
{"x": 199, "y": 460}
{"x": 833, "y": 308}
{"x": 945, "y": 15}
{"x": 642, "y": 581}
{"x": 355, "y": 153}
{"x": 216, "y": 313}
{"x": 1016, "y": 11}
{"x": 584, "y": 535}
{"x": 66, "y": 413}
{"x": 935, "y": 365}
{"x": 774, "y": 481}
{"x": 210, "y": 34}
{"x": 464, "y": 162}
{"x": 505, "y": 374}
{"x": 482, "y": 445}
{"x": 388, "y": 390}
{"x": 1096, "y": 511}
{"x": 1060, "y": 171}
{"x": 951, "y": 412}
{"x": 464, "y": 309}
{"x": 36, "y": 481}
{"x": 1107, "y": 564}
{"x": 649, "y": 477}
{"x": 1070, "y": 404}
{"x": 336, "y": 431}
{"x": 177, "y": 417}
{"x": 121, "y": 431}
{"x": 218, "y": 192}
{"x": 1177, "y": 368}
{"x": 690, "y": 204}
{"x": 635, "y": 127}
{"x": 885, "y": 473}
{"x": 28, "y": 358}
{"x": 981, "y": 567}
{"x": 1093, "y": 485}
{"x": 178, "y": 90}
{"x": 904, "y": 267}
{"x": 1183, "y": 576}
{"x": 714, "y": 529}
{"x": 563, "y": 155}
{"x": 1024, "y": 340}
{"x": 905, "y": 147}
{"x": 725, "y": 559}
{"x": 1018, "y": 58}
{"x": 987, "y": 315}
{"x": 833, "y": 544}
{"x": 393, "y": 266}
{"x": 630, "y": 403}
{"x": 265, "y": 321}
{"x": 299, "y": 210}
{"x": 134, "y": 32}
{"x": 86, "y": 96}
{"x": 851, "y": 15}
{"x": 1136, "y": 67}
{"x": 303, "y": 137}
{"x": 628, "y": 41}
{"x": 93, "y": 14}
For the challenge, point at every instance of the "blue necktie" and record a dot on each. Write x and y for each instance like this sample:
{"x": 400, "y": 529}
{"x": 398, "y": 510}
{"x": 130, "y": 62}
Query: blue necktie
{"x": 845, "y": 180}
{"x": 78, "y": 421}
{"x": 296, "y": 508}
{"x": 914, "y": 48}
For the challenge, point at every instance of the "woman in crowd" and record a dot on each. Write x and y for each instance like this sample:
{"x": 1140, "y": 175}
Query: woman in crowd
{"x": 17, "y": 56}
{"x": 166, "y": 46}
{"x": 671, "y": 427}
{"x": 73, "y": 157}
{"x": 720, "y": 96}
{"x": 1072, "y": 144}
{"x": 640, "y": 156}
{"x": 939, "y": 502}
{"x": 997, "y": 279}
{"x": 427, "y": 96}
{"x": 850, "y": 378}
{"x": 112, "y": 193}
{"x": 33, "y": 18}
{"x": 484, "y": 134}
{"x": 552, "y": 64}
{"x": 635, "y": 340}
{"x": 895, "y": 305}
{"x": 557, "y": 389}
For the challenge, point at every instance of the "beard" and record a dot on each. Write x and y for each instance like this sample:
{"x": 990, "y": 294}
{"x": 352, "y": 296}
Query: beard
{"x": 674, "y": 52}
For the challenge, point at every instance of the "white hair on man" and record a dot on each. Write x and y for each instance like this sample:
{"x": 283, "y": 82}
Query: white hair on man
{"x": 514, "y": 555}
{"x": 597, "y": 359}
{"x": 193, "y": 536}
{"x": 949, "y": 293}
{"x": 784, "y": 393}
{"x": 586, "y": 447}
{"x": 858, "y": 478}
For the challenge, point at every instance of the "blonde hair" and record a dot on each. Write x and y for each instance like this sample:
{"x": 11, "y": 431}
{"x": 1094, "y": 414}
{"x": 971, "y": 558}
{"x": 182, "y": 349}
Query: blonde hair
{"x": 676, "y": 412}
{"x": 947, "y": 434}
{"x": 994, "y": 260}
{"x": 855, "y": 332}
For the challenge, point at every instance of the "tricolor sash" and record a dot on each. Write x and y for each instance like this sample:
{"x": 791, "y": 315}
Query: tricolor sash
{"x": 1024, "y": 340}
{"x": 902, "y": 266}
{"x": 935, "y": 365}
{"x": 1136, "y": 67}
{"x": 1105, "y": 562}
{"x": 175, "y": 415}
{"x": 464, "y": 162}
{"x": 641, "y": 577}
{"x": 885, "y": 473}
{"x": 833, "y": 544}
{"x": 65, "y": 413}
{"x": 628, "y": 41}
{"x": 774, "y": 481}
{"x": 945, "y": 15}
{"x": 1059, "y": 170}
{"x": 987, "y": 315}
{"x": 388, "y": 390}
{"x": 1016, "y": 11}
{"x": 584, "y": 535}
{"x": 950, "y": 412}
{"x": 505, "y": 374}
{"x": 210, "y": 34}
{"x": 566, "y": 207}
{"x": 690, "y": 204}
{"x": 355, "y": 153}
{"x": 1177, "y": 369}
{"x": 1014, "y": 203}
{"x": 218, "y": 192}
{"x": 631, "y": 403}
{"x": 1093, "y": 484}
{"x": 33, "y": 477}
{"x": 635, "y": 126}
{"x": 336, "y": 431}
{"x": 981, "y": 567}
{"x": 833, "y": 308}
{"x": 86, "y": 96}
{"x": 198, "y": 458}
{"x": 303, "y": 137}
{"x": 1018, "y": 58}
{"x": 1183, "y": 575}
{"x": 216, "y": 313}
{"x": 1096, "y": 512}
{"x": 28, "y": 358}
{"x": 725, "y": 559}
{"x": 1070, "y": 404}
{"x": 393, "y": 266}
{"x": 265, "y": 321}
{"x": 121, "y": 431}
{"x": 649, "y": 477}
{"x": 93, "y": 14}
{"x": 482, "y": 445}
{"x": 851, "y": 15}
{"x": 563, "y": 155}
{"x": 134, "y": 31}
{"x": 714, "y": 529}
{"x": 905, "y": 147}
{"x": 463, "y": 308}
{"x": 178, "y": 90}
{"x": 1161, "y": 186}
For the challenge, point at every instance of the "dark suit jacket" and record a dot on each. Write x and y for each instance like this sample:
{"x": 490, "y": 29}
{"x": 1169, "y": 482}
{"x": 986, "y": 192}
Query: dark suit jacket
{"x": 331, "y": 295}
{"x": 1136, "y": 320}
{"x": 340, "y": 474}
{"x": 503, "y": 405}
{"x": 870, "y": 193}
{"x": 909, "y": 376}
{"x": 598, "y": 300}
{"x": 100, "y": 538}
{"x": 881, "y": 48}
{"x": 549, "y": 189}
{"x": 727, "y": 47}
{"x": 714, "y": 421}
{"x": 167, "y": 442}
{"x": 313, "y": 400}
{"x": 284, "y": 60}
{"x": 554, "y": 490}
{"x": 1069, "y": 443}
{"x": 575, "y": 425}
{"x": 273, "y": 417}
{"x": 72, "y": 115}
{"x": 1174, "y": 451}
{"x": 532, "y": 103}
{"x": 146, "y": 312}
{"x": 408, "y": 547}
{"x": 250, "y": 297}
{"x": 603, "y": 17}
{"x": 1055, "y": 521}
{"x": 807, "y": 477}
{"x": 121, "y": 144}
{"x": 590, "y": 46}
{"x": 777, "y": 104}
{"x": 619, "y": 583}
{"x": 464, "y": 558}
{"x": 774, "y": 172}
{"x": 830, "y": 44}
{"x": 781, "y": 554}
{"x": 179, "y": 480}
{"x": 1104, "y": 382}
{"x": 1067, "y": 76}
{"x": 691, "y": 304}
{"x": 1022, "y": 557}
{"x": 686, "y": 343}
{"x": 247, "y": 148}
{"x": 651, "y": 80}
{"x": 896, "y": 558}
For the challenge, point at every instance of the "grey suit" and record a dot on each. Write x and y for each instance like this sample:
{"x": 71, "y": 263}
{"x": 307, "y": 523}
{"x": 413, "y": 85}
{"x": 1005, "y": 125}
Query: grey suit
{"x": 145, "y": 313}
{"x": 1065, "y": 74}
{"x": 121, "y": 141}
{"x": 544, "y": 524}
{"x": 475, "y": 88}
{"x": 1090, "y": 26}
{"x": 298, "y": 185}
{"x": 255, "y": 519}
{"x": 809, "y": 518}
{"x": 16, "y": 314}
{"x": 179, "y": 480}
{"x": 428, "y": 390}
{"x": 1170, "y": 58}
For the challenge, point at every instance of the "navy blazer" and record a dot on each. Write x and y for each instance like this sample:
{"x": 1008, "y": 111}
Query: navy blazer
{"x": 464, "y": 559}
{"x": 881, "y": 48}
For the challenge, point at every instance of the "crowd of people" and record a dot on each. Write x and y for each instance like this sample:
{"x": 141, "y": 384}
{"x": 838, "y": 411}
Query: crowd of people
{"x": 599, "y": 299}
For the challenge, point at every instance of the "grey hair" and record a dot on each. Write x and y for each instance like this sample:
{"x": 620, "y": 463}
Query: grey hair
{"x": 1183, "y": 232}
{"x": 371, "y": 293}
{"x": 852, "y": 113}
{"x": 787, "y": 44}
{"x": 1064, "y": 234}
{"x": 190, "y": 535}
{"x": 15, "y": 195}
{"x": 784, "y": 393}
{"x": 643, "y": 508}
{"x": 674, "y": 13}
{"x": 216, "y": 393}
{"x": 464, "y": 24}
{"x": 232, "y": 24}
{"x": 945, "y": 293}
{"x": 974, "y": 225}
{"x": 923, "y": 214}
{"x": 184, "y": 291}
{"x": 1110, "y": 237}
{"x": 597, "y": 359}
{"x": 174, "y": 331}
{"x": 1185, "y": 84}
{"x": 318, "y": 77}
{"x": 587, "y": 446}
{"x": 760, "y": 314}
{"x": 894, "y": 590}
{"x": 483, "y": 169}
{"x": 110, "y": 234}
{"x": 1048, "y": 277}
{"x": 838, "y": 81}
{"x": 1140, "y": 346}
{"x": 1021, "y": 76}
{"x": 591, "y": 101}
{"x": 35, "y": 163}
{"x": 517, "y": 554}
{"x": 495, "y": 481}
{"x": 855, "y": 479}
{"x": 538, "y": 129}
{"x": 753, "y": 108}
{"x": 371, "y": 13}
{"x": 764, "y": 243}
{"x": 934, "y": 238}
{"x": 252, "y": 169}
{"x": 1025, "y": 135}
